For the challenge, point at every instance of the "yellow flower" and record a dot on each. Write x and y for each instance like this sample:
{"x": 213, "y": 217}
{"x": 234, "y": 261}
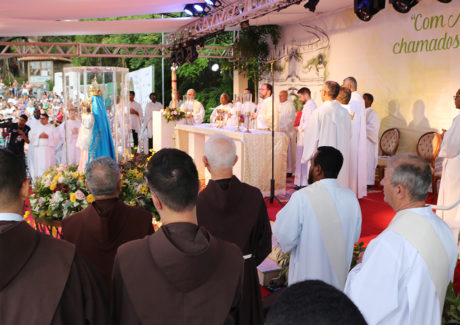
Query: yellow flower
{"x": 75, "y": 174}
{"x": 73, "y": 197}
{"x": 133, "y": 204}
{"x": 42, "y": 214}
{"x": 53, "y": 186}
{"x": 90, "y": 198}
{"x": 48, "y": 213}
{"x": 26, "y": 214}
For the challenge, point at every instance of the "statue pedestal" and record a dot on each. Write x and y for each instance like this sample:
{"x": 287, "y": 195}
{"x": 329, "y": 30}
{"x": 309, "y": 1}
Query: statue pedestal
{"x": 163, "y": 132}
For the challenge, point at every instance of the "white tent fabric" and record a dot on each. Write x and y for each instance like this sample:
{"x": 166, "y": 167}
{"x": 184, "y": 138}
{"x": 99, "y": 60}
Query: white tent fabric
{"x": 35, "y": 27}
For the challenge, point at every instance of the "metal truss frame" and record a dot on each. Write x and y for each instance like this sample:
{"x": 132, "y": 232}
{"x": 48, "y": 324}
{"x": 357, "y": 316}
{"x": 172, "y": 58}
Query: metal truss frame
{"x": 230, "y": 15}
{"x": 69, "y": 50}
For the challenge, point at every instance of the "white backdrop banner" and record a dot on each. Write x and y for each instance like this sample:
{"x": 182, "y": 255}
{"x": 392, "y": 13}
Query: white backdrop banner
{"x": 142, "y": 81}
{"x": 409, "y": 62}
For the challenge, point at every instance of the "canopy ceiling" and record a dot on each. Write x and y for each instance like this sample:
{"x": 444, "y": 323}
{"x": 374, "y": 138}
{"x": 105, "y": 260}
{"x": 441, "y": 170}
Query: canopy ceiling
{"x": 51, "y": 17}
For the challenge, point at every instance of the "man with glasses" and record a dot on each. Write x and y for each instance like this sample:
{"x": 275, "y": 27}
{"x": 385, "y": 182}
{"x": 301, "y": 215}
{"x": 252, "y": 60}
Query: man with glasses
{"x": 449, "y": 190}
{"x": 45, "y": 138}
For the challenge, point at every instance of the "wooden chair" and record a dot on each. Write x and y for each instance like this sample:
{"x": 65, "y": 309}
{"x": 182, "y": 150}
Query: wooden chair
{"x": 428, "y": 147}
{"x": 389, "y": 143}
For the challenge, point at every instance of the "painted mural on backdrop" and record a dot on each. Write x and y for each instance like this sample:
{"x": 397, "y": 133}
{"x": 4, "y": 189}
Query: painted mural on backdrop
{"x": 302, "y": 60}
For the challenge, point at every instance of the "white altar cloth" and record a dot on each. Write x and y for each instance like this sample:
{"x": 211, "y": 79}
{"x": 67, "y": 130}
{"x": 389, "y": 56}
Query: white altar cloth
{"x": 253, "y": 150}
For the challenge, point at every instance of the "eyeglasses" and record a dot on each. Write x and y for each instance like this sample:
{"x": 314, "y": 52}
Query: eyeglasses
{"x": 456, "y": 96}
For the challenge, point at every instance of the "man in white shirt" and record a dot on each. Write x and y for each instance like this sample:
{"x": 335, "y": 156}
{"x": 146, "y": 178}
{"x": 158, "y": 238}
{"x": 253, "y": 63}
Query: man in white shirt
{"x": 329, "y": 125}
{"x": 226, "y": 106}
{"x": 358, "y": 148}
{"x": 45, "y": 138}
{"x": 197, "y": 113}
{"x": 287, "y": 114}
{"x": 33, "y": 123}
{"x": 405, "y": 270}
{"x": 301, "y": 169}
{"x": 449, "y": 190}
{"x": 178, "y": 101}
{"x": 372, "y": 131}
{"x": 151, "y": 107}
{"x": 320, "y": 224}
{"x": 135, "y": 114}
{"x": 264, "y": 110}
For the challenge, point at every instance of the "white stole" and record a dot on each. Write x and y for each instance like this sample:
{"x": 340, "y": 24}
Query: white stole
{"x": 420, "y": 233}
{"x": 330, "y": 228}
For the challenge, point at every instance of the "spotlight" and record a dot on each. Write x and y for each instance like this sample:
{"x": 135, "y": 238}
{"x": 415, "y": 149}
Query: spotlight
{"x": 213, "y": 3}
{"x": 365, "y": 9}
{"x": 198, "y": 8}
{"x": 403, "y": 6}
{"x": 189, "y": 10}
{"x": 311, "y": 5}
{"x": 215, "y": 67}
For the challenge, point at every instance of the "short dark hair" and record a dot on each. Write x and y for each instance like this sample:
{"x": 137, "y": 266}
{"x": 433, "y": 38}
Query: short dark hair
{"x": 313, "y": 302}
{"x": 332, "y": 89}
{"x": 304, "y": 90}
{"x": 152, "y": 94}
{"x": 131, "y": 92}
{"x": 330, "y": 159}
{"x": 12, "y": 175}
{"x": 344, "y": 95}
{"x": 269, "y": 87}
{"x": 24, "y": 116}
{"x": 369, "y": 96}
{"x": 173, "y": 177}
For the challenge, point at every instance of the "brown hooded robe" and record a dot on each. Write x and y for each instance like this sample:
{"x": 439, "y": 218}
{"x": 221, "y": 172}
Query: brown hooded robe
{"x": 236, "y": 212}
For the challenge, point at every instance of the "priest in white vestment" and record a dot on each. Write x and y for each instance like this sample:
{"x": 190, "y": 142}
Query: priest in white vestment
{"x": 358, "y": 147}
{"x": 68, "y": 133}
{"x": 329, "y": 125}
{"x": 404, "y": 272}
{"x": 449, "y": 190}
{"x": 226, "y": 107}
{"x": 197, "y": 114}
{"x": 372, "y": 131}
{"x": 135, "y": 115}
{"x": 320, "y": 224}
{"x": 45, "y": 138}
{"x": 264, "y": 110}
{"x": 33, "y": 123}
{"x": 152, "y": 106}
{"x": 301, "y": 169}
{"x": 287, "y": 114}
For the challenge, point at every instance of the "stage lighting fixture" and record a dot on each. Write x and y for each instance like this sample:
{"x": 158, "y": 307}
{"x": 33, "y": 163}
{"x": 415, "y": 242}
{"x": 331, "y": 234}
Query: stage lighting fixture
{"x": 213, "y": 3}
{"x": 311, "y": 5}
{"x": 365, "y": 9}
{"x": 403, "y": 6}
{"x": 215, "y": 67}
{"x": 189, "y": 10}
{"x": 191, "y": 54}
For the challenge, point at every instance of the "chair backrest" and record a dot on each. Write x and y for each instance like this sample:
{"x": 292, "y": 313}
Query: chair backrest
{"x": 389, "y": 142}
{"x": 428, "y": 146}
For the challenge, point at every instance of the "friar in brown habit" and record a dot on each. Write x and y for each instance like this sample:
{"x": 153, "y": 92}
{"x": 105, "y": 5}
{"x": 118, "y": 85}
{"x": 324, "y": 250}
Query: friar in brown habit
{"x": 181, "y": 274}
{"x": 236, "y": 212}
{"x": 107, "y": 223}
{"x": 42, "y": 279}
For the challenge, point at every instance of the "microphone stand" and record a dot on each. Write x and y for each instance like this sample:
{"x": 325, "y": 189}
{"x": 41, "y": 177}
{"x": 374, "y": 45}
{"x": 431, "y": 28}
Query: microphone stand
{"x": 272, "y": 180}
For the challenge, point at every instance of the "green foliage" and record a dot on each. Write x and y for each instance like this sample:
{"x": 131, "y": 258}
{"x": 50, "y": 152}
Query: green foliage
{"x": 451, "y": 311}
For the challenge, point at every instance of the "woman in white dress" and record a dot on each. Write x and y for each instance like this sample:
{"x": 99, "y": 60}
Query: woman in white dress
{"x": 84, "y": 137}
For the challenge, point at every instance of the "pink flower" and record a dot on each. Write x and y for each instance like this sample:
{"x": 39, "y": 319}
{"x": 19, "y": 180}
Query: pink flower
{"x": 80, "y": 195}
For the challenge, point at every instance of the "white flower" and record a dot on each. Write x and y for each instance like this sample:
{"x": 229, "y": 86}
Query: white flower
{"x": 80, "y": 195}
{"x": 61, "y": 180}
{"x": 57, "y": 197}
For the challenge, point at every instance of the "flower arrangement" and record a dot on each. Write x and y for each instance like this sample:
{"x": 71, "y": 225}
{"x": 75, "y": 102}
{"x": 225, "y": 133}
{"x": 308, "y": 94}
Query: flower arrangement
{"x": 172, "y": 114}
{"x": 61, "y": 191}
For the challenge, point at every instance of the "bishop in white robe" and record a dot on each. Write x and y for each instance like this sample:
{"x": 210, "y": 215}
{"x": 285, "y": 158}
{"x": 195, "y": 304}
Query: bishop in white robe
{"x": 45, "y": 138}
{"x": 299, "y": 231}
{"x": 372, "y": 132}
{"x": 329, "y": 125}
{"x": 197, "y": 109}
{"x": 287, "y": 115}
{"x": 301, "y": 169}
{"x": 449, "y": 190}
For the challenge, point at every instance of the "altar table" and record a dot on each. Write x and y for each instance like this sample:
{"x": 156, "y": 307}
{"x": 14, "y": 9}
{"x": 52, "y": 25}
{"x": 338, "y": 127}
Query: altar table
{"x": 254, "y": 165}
